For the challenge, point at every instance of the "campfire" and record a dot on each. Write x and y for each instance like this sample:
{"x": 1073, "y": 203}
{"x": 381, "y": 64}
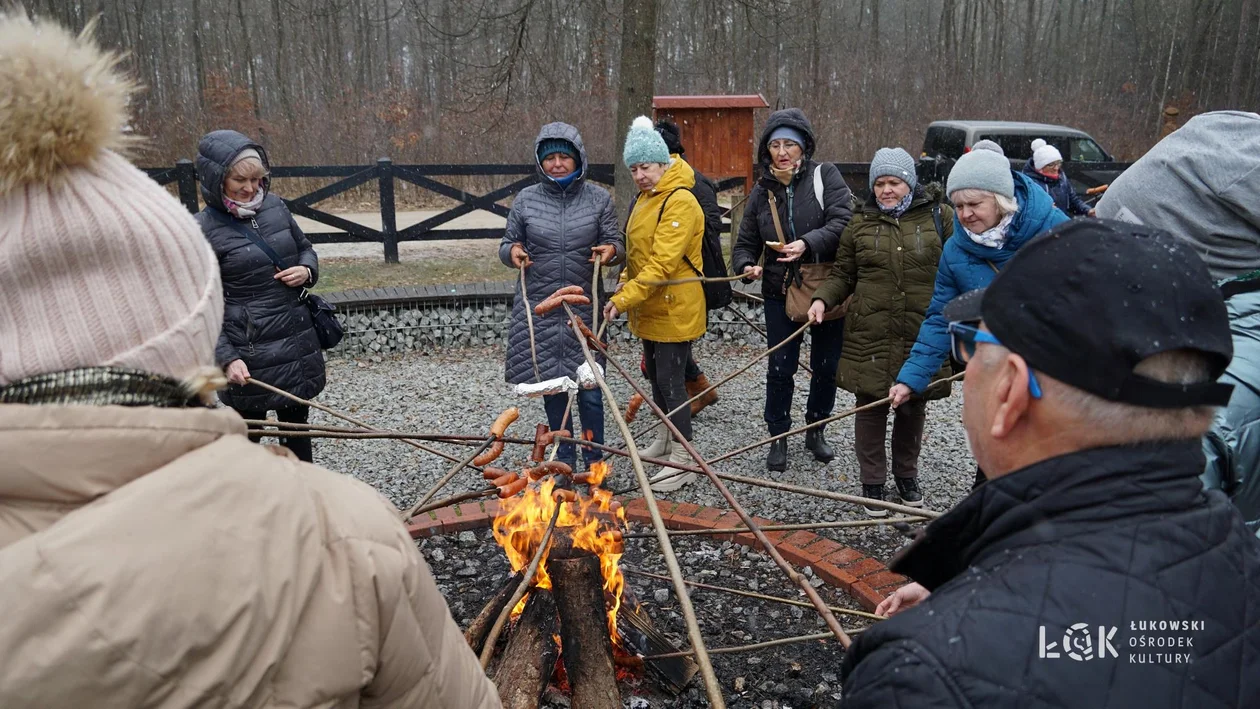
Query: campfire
{"x": 576, "y": 629}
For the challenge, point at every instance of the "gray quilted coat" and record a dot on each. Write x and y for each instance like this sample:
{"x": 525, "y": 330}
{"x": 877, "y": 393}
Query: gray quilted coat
{"x": 557, "y": 227}
{"x": 264, "y": 322}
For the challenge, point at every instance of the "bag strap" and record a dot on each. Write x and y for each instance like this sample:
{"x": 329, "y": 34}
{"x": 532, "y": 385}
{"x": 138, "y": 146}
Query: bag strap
{"x": 774, "y": 216}
{"x": 250, "y": 234}
{"x": 818, "y": 188}
{"x": 936, "y": 220}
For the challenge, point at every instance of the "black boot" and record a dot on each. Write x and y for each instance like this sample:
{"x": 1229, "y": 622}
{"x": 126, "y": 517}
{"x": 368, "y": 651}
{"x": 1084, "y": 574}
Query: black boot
{"x": 908, "y": 491}
{"x": 815, "y": 442}
{"x": 874, "y": 492}
{"x": 776, "y": 459}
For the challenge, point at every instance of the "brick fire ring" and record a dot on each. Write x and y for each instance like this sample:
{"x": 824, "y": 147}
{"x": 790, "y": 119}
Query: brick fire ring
{"x": 863, "y": 577}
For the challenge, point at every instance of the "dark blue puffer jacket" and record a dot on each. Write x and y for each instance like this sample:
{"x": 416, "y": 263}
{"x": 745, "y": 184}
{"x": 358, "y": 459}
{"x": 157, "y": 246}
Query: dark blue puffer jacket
{"x": 557, "y": 226}
{"x": 264, "y": 322}
{"x": 965, "y": 266}
{"x": 1060, "y": 190}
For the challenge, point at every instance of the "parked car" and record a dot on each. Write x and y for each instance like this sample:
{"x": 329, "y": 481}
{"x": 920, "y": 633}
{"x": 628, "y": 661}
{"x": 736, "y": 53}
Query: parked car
{"x": 1086, "y": 162}
{"x": 953, "y": 138}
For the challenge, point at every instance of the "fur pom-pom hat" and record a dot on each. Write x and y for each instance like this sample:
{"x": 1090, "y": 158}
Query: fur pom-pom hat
{"x": 99, "y": 266}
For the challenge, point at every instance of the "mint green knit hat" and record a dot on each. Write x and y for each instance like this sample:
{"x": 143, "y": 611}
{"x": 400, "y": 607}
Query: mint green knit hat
{"x": 644, "y": 144}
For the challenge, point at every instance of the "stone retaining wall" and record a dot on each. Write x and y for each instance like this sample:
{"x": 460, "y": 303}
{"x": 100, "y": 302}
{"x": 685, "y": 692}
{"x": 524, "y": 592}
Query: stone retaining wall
{"x": 378, "y": 330}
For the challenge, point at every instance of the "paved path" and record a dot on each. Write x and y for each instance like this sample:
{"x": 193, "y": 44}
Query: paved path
{"x": 410, "y": 250}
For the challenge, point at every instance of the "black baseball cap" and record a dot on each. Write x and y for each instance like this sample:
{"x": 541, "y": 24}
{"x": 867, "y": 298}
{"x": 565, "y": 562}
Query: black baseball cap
{"x": 1090, "y": 299}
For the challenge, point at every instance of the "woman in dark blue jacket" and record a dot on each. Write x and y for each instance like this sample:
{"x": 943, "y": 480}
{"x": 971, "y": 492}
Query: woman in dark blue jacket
{"x": 267, "y": 330}
{"x": 1045, "y": 168}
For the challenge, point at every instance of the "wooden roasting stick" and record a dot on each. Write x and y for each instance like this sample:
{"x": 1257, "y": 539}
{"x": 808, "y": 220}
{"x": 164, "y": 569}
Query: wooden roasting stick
{"x": 529, "y": 323}
{"x": 337, "y": 414}
{"x": 711, "y": 686}
{"x": 797, "y": 578}
{"x": 799, "y": 331}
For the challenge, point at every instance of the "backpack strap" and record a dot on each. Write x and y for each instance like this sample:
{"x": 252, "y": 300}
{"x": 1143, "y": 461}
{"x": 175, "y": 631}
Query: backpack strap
{"x": 250, "y": 234}
{"x": 936, "y": 220}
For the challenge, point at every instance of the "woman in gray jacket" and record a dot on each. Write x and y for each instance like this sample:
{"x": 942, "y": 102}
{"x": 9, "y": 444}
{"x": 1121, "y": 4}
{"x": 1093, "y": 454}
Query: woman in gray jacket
{"x": 554, "y": 230}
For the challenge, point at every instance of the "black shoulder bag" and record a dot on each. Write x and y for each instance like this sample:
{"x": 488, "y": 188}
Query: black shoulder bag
{"x": 327, "y": 328}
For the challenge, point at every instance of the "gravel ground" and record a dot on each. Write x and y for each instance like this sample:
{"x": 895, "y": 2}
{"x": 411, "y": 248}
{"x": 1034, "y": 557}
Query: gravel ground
{"x": 462, "y": 391}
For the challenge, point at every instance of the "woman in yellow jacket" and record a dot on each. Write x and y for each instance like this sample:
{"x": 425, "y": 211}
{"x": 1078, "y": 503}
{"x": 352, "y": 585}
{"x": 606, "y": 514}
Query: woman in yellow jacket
{"x": 663, "y": 238}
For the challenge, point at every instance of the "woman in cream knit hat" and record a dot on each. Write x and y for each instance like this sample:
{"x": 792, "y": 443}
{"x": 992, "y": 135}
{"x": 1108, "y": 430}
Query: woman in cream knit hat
{"x": 150, "y": 555}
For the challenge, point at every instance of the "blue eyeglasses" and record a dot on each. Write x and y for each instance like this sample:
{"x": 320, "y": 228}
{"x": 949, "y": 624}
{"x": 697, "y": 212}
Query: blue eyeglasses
{"x": 963, "y": 341}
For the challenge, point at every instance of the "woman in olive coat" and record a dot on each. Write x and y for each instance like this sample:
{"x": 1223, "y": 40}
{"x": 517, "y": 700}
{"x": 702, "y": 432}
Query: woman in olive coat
{"x": 887, "y": 264}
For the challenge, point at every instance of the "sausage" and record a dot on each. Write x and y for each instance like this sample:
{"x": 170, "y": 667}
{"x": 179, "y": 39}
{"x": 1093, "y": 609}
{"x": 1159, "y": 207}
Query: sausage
{"x": 489, "y": 455}
{"x": 584, "y": 478}
{"x": 540, "y": 443}
{"x": 564, "y": 495}
{"x": 586, "y": 331}
{"x": 551, "y": 437}
{"x": 568, "y": 290}
{"x": 547, "y": 306}
{"x": 556, "y": 467}
{"x": 513, "y": 488}
{"x": 505, "y": 479}
{"x": 632, "y": 409}
{"x": 493, "y": 473}
{"x": 554, "y": 302}
{"x": 500, "y": 425}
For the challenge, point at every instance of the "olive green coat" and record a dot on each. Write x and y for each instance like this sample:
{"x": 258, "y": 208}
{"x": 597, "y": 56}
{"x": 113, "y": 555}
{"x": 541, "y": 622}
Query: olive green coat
{"x": 889, "y": 267}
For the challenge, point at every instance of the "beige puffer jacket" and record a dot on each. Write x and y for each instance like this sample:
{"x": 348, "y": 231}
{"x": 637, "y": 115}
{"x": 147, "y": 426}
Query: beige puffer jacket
{"x": 156, "y": 558}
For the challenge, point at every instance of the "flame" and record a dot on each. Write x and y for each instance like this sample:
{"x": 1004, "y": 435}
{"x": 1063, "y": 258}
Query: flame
{"x": 594, "y": 522}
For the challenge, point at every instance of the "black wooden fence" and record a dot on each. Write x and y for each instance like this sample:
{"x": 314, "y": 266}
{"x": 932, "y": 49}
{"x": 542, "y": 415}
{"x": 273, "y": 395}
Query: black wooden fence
{"x": 384, "y": 172}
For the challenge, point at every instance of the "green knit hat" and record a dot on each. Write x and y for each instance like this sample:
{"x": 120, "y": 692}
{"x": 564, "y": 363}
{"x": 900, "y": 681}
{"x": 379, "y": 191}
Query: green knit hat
{"x": 644, "y": 144}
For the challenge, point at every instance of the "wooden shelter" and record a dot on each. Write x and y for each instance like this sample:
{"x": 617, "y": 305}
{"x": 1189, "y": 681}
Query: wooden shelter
{"x": 717, "y": 132}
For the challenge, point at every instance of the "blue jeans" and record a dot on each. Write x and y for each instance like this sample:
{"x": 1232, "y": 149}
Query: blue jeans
{"x": 590, "y": 405}
{"x": 824, "y": 356}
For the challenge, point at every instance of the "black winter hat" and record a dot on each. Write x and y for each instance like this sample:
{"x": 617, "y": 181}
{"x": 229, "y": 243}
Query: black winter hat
{"x": 673, "y": 138}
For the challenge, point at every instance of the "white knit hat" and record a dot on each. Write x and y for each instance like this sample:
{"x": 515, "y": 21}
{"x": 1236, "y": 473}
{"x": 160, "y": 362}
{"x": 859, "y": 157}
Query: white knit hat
{"x": 1045, "y": 155}
{"x": 99, "y": 266}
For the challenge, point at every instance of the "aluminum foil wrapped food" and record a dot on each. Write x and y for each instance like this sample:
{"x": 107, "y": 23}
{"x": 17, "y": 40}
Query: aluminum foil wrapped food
{"x": 586, "y": 378}
{"x": 559, "y": 385}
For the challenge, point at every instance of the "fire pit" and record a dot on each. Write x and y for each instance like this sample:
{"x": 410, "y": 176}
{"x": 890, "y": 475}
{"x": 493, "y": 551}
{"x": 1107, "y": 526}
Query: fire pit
{"x": 591, "y": 633}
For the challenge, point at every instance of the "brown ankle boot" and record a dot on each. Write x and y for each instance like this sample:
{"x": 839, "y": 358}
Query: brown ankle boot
{"x": 700, "y": 384}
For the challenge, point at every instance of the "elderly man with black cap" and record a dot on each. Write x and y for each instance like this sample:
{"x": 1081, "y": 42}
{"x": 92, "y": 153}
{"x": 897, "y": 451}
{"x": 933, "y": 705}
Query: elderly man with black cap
{"x": 1092, "y": 570}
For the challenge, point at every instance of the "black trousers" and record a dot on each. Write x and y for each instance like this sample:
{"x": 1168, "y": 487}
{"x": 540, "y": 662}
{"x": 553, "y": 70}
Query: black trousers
{"x": 301, "y": 446}
{"x": 666, "y": 364}
{"x": 824, "y": 357}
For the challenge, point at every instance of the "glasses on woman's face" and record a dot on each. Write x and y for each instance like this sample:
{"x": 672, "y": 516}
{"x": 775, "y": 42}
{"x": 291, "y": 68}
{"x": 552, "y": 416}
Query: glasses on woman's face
{"x": 963, "y": 340}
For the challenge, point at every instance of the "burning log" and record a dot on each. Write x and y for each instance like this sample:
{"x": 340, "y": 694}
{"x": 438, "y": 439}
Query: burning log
{"x": 480, "y": 627}
{"x": 530, "y": 656}
{"x": 578, "y": 586}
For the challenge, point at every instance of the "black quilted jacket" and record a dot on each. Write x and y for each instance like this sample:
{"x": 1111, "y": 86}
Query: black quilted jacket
{"x": 1116, "y": 538}
{"x": 264, "y": 322}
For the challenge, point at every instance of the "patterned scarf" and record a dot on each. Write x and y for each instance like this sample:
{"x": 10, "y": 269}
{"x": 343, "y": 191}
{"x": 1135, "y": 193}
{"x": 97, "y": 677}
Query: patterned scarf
{"x": 245, "y": 210}
{"x": 994, "y": 238}
{"x": 98, "y": 386}
{"x": 899, "y": 208}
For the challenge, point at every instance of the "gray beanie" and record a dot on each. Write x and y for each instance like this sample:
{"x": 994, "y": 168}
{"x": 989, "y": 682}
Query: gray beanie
{"x": 982, "y": 170}
{"x": 987, "y": 144}
{"x": 892, "y": 162}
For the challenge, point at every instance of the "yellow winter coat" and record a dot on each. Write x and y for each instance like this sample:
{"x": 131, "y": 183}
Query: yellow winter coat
{"x": 656, "y": 243}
